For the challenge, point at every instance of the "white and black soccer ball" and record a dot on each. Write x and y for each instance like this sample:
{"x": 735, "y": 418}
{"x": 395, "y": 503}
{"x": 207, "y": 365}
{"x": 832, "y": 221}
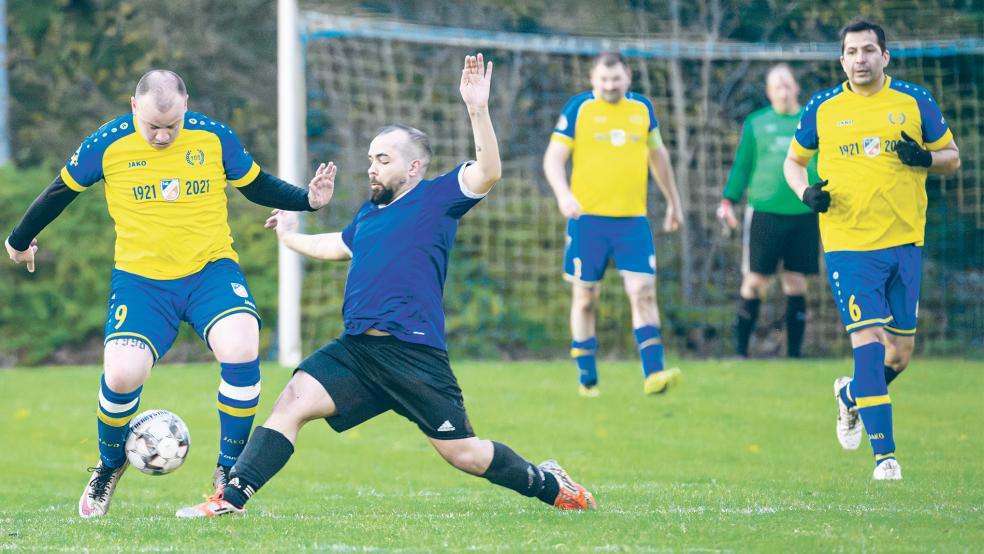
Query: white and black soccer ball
{"x": 158, "y": 442}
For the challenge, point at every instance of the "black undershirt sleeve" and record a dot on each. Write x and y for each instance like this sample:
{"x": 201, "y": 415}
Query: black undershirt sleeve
{"x": 45, "y": 208}
{"x": 267, "y": 190}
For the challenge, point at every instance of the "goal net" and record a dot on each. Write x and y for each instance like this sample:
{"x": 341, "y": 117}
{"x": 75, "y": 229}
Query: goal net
{"x": 505, "y": 295}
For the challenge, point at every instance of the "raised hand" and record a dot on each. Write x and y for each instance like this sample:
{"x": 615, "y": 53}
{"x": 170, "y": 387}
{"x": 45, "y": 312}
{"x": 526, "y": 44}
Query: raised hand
{"x": 26, "y": 256}
{"x": 283, "y": 222}
{"x": 322, "y": 186}
{"x": 476, "y": 79}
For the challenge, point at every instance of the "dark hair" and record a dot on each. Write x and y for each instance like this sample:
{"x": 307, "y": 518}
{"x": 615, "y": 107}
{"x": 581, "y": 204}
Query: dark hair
{"x": 610, "y": 58}
{"x": 860, "y": 26}
{"x": 419, "y": 140}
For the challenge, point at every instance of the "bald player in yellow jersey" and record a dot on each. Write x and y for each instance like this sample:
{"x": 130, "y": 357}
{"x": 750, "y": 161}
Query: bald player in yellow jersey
{"x": 165, "y": 171}
{"x": 614, "y": 137}
{"x": 876, "y": 138}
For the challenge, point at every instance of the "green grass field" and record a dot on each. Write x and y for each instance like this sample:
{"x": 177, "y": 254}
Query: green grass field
{"x": 741, "y": 457}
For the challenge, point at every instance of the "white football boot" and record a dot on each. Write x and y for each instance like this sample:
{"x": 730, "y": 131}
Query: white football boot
{"x": 848, "y": 420}
{"x": 889, "y": 470}
{"x": 98, "y": 492}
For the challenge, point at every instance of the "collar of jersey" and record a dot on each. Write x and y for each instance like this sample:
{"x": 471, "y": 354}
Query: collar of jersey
{"x": 886, "y": 86}
{"x": 402, "y": 194}
{"x": 624, "y": 98}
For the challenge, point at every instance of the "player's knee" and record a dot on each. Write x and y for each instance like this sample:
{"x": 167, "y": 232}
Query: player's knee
{"x": 897, "y": 356}
{"x": 793, "y": 284}
{"x": 466, "y": 459}
{"x": 123, "y": 380}
{"x": 585, "y": 301}
{"x": 291, "y": 401}
{"x": 754, "y": 285}
{"x": 236, "y": 351}
{"x": 641, "y": 292}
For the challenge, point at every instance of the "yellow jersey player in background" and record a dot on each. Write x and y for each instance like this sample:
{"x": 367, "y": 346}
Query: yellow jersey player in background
{"x": 165, "y": 171}
{"x": 875, "y": 137}
{"x": 615, "y": 139}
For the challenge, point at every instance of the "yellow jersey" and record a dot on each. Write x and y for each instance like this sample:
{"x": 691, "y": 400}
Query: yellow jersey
{"x": 876, "y": 201}
{"x": 169, "y": 205}
{"x": 611, "y": 143}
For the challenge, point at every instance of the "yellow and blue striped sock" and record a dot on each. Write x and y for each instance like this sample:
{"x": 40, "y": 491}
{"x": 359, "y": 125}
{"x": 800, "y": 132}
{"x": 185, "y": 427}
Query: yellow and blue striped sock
{"x": 650, "y": 343}
{"x": 113, "y": 416}
{"x": 583, "y": 352}
{"x": 239, "y": 394}
{"x": 871, "y": 395}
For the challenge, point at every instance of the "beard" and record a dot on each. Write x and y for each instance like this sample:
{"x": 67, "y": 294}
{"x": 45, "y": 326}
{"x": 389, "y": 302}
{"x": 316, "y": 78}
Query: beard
{"x": 382, "y": 196}
{"x": 385, "y": 194}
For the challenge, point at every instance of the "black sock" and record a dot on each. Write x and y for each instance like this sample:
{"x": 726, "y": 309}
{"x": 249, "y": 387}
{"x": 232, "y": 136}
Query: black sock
{"x": 265, "y": 454}
{"x": 510, "y": 470}
{"x": 748, "y": 311}
{"x": 795, "y": 324}
{"x": 890, "y": 375}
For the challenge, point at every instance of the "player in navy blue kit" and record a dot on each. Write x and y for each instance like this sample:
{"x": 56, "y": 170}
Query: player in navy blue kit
{"x": 392, "y": 355}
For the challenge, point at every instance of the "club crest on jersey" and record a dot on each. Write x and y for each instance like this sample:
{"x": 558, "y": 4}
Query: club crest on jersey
{"x": 195, "y": 157}
{"x": 896, "y": 118}
{"x": 872, "y": 146}
{"x": 239, "y": 290}
{"x": 170, "y": 189}
{"x": 618, "y": 137}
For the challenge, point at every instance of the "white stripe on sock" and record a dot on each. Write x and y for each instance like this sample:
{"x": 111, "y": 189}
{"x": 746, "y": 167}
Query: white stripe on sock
{"x": 113, "y": 407}
{"x": 239, "y": 393}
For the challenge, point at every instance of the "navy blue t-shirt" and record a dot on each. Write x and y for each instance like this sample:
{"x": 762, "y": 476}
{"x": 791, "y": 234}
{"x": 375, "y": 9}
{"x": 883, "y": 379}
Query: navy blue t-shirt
{"x": 400, "y": 260}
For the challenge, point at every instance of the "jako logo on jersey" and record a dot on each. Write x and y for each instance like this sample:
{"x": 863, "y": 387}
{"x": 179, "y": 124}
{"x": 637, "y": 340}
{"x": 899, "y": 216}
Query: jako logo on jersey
{"x": 896, "y": 118}
{"x": 847, "y": 122}
{"x": 170, "y": 189}
{"x": 138, "y": 163}
{"x": 871, "y": 146}
{"x": 195, "y": 157}
{"x": 562, "y": 123}
{"x": 239, "y": 290}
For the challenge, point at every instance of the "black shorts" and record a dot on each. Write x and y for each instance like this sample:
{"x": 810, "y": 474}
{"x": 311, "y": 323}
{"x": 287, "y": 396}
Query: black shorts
{"x": 366, "y": 376}
{"x": 795, "y": 239}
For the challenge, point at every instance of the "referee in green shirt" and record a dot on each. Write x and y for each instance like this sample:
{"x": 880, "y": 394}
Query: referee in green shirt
{"x": 778, "y": 226}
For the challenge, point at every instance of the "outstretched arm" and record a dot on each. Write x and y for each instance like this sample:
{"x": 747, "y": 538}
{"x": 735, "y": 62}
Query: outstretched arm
{"x": 268, "y": 190}
{"x": 476, "y": 79}
{"x": 662, "y": 170}
{"x": 326, "y": 246}
{"x": 21, "y": 245}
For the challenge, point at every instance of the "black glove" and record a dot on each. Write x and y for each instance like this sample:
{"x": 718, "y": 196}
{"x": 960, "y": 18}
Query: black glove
{"x": 816, "y": 198}
{"x": 910, "y": 153}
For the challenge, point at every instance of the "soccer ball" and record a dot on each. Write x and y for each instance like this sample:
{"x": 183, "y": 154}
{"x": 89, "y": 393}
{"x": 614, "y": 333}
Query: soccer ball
{"x": 158, "y": 442}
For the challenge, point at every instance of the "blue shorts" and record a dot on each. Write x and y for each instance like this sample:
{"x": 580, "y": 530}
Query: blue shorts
{"x": 592, "y": 240}
{"x": 878, "y": 287}
{"x": 150, "y": 310}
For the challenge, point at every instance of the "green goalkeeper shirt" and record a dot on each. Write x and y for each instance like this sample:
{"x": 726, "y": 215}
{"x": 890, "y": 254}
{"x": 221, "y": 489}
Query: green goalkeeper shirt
{"x": 765, "y": 139}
